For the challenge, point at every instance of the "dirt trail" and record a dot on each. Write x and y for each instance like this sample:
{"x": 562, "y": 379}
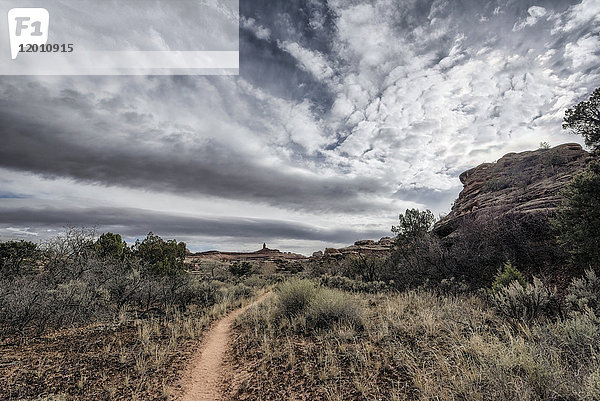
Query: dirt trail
{"x": 203, "y": 380}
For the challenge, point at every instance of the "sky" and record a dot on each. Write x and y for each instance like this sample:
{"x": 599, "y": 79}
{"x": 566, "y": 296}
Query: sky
{"x": 345, "y": 113}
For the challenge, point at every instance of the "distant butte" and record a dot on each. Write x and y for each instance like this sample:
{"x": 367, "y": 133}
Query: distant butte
{"x": 262, "y": 254}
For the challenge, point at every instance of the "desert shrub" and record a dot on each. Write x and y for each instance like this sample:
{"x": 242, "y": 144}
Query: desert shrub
{"x": 578, "y": 336}
{"x": 417, "y": 256}
{"x": 68, "y": 256}
{"x": 527, "y": 303}
{"x": 350, "y": 285}
{"x": 76, "y": 301}
{"x": 30, "y": 302}
{"x": 199, "y": 292}
{"x": 77, "y": 285}
{"x": 484, "y": 241}
{"x": 584, "y": 293}
{"x": 256, "y": 281}
{"x": 22, "y": 303}
{"x": 316, "y": 307}
{"x": 419, "y": 261}
{"x": 240, "y": 269}
{"x": 592, "y": 386}
{"x": 240, "y": 291}
{"x": 295, "y": 295}
{"x": 331, "y": 307}
{"x": 507, "y": 275}
{"x": 367, "y": 267}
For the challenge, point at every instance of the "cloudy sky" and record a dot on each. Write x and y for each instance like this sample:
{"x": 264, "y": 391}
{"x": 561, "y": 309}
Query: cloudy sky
{"x": 344, "y": 114}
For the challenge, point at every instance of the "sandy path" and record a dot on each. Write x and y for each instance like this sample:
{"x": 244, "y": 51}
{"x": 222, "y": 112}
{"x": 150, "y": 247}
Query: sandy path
{"x": 203, "y": 380}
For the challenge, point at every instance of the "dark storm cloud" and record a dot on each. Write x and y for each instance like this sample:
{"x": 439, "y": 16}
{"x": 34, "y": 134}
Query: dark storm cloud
{"x": 137, "y": 222}
{"x": 210, "y": 169}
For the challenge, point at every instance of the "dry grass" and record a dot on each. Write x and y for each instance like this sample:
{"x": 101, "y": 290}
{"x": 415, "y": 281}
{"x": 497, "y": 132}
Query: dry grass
{"x": 416, "y": 346}
{"x": 130, "y": 358}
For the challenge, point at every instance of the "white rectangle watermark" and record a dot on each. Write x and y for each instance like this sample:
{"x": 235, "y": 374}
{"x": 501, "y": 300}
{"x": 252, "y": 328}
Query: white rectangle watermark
{"x": 112, "y": 37}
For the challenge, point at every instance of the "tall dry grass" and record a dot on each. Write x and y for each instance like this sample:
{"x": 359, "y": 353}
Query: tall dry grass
{"x": 416, "y": 345}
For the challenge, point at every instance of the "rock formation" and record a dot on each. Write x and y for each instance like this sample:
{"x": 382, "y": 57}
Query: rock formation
{"x": 363, "y": 247}
{"x": 520, "y": 184}
{"x": 265, "y": 254}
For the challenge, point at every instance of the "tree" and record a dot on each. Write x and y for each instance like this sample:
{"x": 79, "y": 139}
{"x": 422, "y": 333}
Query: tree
{"x": 584, "y": 119}
{"x": 413, "y": 223}
{"x": 240, "y": 269}
{"x": 368, "y": 267}
{"x": 417, "y": 255}
{"x": 577, "y": 220}
{"x": 111, "y": 245}
{"x": 14, "y": 255}
{"x": 164, "y": 257}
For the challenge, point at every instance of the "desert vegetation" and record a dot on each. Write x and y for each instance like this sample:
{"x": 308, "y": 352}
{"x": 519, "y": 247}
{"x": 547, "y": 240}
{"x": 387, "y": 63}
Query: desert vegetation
{"x": 87, "y": 317}
{"x": 516, "y": 342}
{"x": 506, "y": 308}
{"x": 502, "y": 306}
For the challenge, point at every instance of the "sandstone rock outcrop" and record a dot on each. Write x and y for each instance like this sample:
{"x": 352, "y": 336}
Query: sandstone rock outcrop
{"x": 518, "y": 183}
{"x": 363, "y": 247}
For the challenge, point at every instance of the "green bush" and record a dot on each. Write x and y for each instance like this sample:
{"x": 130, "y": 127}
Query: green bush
{"x": 165, "y": 257}
{"x": 16, "y": 256}
{"x": 295, "y": 295}
{"x": 527, "y": 303}
{"x": 330, "y": 307}
{"x": 577, "y": 220}
{"x": 111, "y": 245}
{"x": 584, "y": 293}
{"x": 506, "y": 276}
{"x": 240, "y": 269}
{"x": 318, "y": 307}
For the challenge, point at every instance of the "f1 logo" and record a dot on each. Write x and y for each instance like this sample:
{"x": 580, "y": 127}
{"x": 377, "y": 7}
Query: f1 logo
{"x": 27, "y": 26}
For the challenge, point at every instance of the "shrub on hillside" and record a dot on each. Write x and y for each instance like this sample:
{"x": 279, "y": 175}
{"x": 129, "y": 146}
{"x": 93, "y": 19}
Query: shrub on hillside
{"x": 527, "y": 303}
{"x": 506, "y": 276}
{"x": 484, "y": 241}
{"x": 417, "y": 255}
{"x": 577, "y": 336}
{"x": 584, "y": 293}
{"x": 577, "y": 220}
